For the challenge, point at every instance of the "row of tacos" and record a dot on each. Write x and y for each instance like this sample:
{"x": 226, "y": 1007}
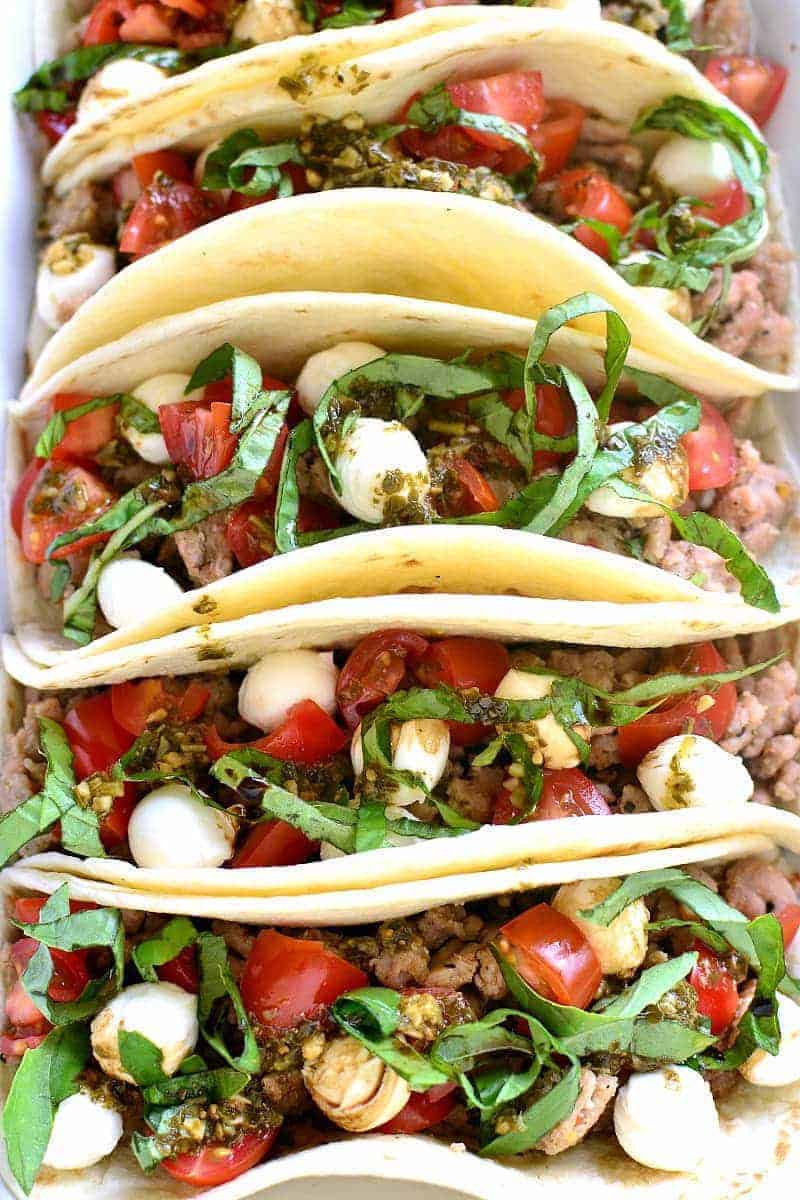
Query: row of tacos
{"x": 402, "y": 718}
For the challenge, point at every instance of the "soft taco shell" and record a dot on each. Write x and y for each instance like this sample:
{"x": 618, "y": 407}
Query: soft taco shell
{"x": 404, "y": 242}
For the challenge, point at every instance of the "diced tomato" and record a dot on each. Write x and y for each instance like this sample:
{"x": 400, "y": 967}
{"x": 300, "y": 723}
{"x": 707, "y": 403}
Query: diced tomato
{"x": 555, "y": 417}
{"x": 212, "y": 1166}
{"x": 717, "y": 994}
{"x": 726, "y": 205}
{"x": 165, "y": 211}
{"x": 90, "y": 432}
{"x": 552, "y": 955}
{"x": 28, "y": 909}
{"x": 374, "y": 670}
{"x": 308, "y": 736}
{"x": 423, "y": 1110}
{"x": 161, "y": 162}
{"x": 755, "y": 84}
{"x": 182, "y": 970}
{"x": 70, "y": 976}
{"x": 134, "y": 704}
{"x": 466, "y": 490}
{"x": 55, "y": 124}
{"x": 106, "y": 20}
{"x": 149, "y": 23}
{"x": 21, "y": 492}
{"x": 588, "y": 193}
{"x": 463, "y": 663}
{"x": 287, "y": 980}
{"x": 711, "y": 450}
{"x": 557, "y": 135}
{"x": 789, "y": 918}
{"x": 198, "y": 436}
{"x": 272, "y": 472}
{"x": 250, "y": 532}
{"x": 97, "y": 741}
{"x": 61, "y": 497}
{"x": 22, "y": 1013}
{"x": 274, "y": 844}
{"x": 672, "y": 718}
{"x": 565, "y": 793}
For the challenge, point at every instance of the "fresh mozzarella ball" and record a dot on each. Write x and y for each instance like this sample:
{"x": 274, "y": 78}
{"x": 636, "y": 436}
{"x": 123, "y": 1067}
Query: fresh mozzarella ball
{"x": 325, "y": 367}
{"x": 172, "y": 828}
{"x": 269, "y": 21}
{"x": 545, "y": 736}
{"x": 381, "y": 466}
{"x": 666, "y": 1119}
{"x": 621, "y": 946}
{"x": 84, "y": 1131}
{"x": 689, "y": 771}
{"x": 71, "y": 271}
{"x": 280, "y": 680}
{"x": 421, "y": 746}
{"x": 162, "y": 1012}
{"x": 692, "y": 167}
{"x": 353, "y": 1087}
{"x": 161, "y": 389}
{"x": 130, "y": 590}
{"x": 122, "y": 79}
{"x": 662, "y": 474}
{"x": 783, "y": 1068}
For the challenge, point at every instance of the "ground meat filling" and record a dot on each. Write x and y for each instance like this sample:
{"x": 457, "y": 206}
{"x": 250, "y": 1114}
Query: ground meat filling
{"x": 746, "y": 319}
{"x": 597, "y": 1090}
{"x": 204, "y": 550}
{"x": 23, "y": 766}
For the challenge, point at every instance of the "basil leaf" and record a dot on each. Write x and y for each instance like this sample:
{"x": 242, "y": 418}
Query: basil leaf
{"x": 245, "y": 375}
{"x": 287, "y": 501}
{"x": 214, "y": 1086}
{"x": 231, "y": 165}
{"x": 679, "y": 28}
{"x": 370, "y": 830}
{"x": 539, "y": 1118}
{"x": 217, "y": 984}
{"x": 353, "y": 12}
{"x": 46, "y": 1075}
{"x": 167, "y": 944}
{"x": 140, "y": 1058}
{"x": 434, "y": 110}
{"x": 371, "y": 1016}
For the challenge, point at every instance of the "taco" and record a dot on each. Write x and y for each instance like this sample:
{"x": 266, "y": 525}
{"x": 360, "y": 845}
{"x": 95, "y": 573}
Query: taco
{"x": 206, "y": 467}
{"x": 633, "y": 158}
{"x": 404, "y": 757}
{"x": 529, "y": 1031}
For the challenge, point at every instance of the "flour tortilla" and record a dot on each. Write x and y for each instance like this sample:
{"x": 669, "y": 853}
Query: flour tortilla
{"x": 758, "y": 1125}
{"x": 427, "y": 245}
{"x": 282, "y": 331}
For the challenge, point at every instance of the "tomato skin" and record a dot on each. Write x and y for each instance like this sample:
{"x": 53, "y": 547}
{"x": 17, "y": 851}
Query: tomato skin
{"x": 25, "y": 484}
{"x": 97, "y": 741}
{"x": 463, "y": 663}
{"x": 133, "y": 703}
{"x": 308, "y": 735}
{"x": 287, "y": 980}
{"x": 711, "y": 450}
{"x": 55, "y": 124}
{"x": 717, "y": 994}
{"x": 588, "y": 193}
{"x": 374, "y": 670}
{"x": 50, "y": 509}
{"x": 250, "y": 533}
{"x": 182, "y": 970}
{"x": 166, "y": 210}
{"x": 555, "y": 417}
{"x": 565, "y": 793}
{"x": 467, "y": 490}
{"x": 557, "y": 135}
{"x": 89, "y": 433}
{"x": 161, "y": 162}
{"x": 206, "y": 1168}
{"x": 423, "y": 1110}
{"x": 755, "y": 84}
{"x": 198, "y": 436}
{"x": 274, "y": 844}
{"x": 789, "y": 918}
{"x": 641, "y": 736}
{"x": 726, "y": 205}
{"x": 552, "y": 955}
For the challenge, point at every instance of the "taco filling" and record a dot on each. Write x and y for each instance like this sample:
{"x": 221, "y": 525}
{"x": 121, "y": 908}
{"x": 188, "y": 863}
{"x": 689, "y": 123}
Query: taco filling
{"x": 317, "y": 754}
{"x": 610, "y": 1008}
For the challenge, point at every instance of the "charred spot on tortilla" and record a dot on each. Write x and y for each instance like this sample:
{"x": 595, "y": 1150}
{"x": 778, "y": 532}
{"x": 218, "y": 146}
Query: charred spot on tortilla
{"x": 213, "y": 654}
{"x": 205, "y": 606}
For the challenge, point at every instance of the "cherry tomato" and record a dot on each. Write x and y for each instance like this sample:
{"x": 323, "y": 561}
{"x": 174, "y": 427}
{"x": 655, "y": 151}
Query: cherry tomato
{"x": 789, "y": 918}
{"x": 97, "y": 741}
{"x": 70, "y": 974}
{"x": 463, "y": 663}
{"x": 90, "y": 432}
{"x": 274, "y": 844}
{"x": 466, "y": 490}
{"x": 55, "y": 124}
{"x": 210, "y": 1167}
{"x": 198, "y": 436}
{"x": 133, "y": 704}
{"x": 25, "y": 484}
{"x": 250, "y": 532}
{"x": 182, "y": 970}
{"x": 755, "y": 84}
{"x": 552, "y": 955}
{"x": 711, "y": 450}
{"x": 423, "y": 1110}
{"x": 672, "y": 718}
{"x": 308, "y": 736}
{"x": 161, "y": 162}
{"x": 165, "y": 211}
{"x": 726, "y": 205}
{"x": 287, "y": 980}
{"x": 557, "y": 135}
{"x": 717, "y": 994}
{"x": 555, "y": 417}
{"x": 374, "y": 670}
{"x": 565, "y": 793}
{"x": 588, "y": 193}
{"x": 61, "y": 497}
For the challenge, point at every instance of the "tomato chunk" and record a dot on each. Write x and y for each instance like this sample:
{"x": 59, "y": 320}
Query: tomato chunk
{"x": 552, "y": 955}
{"x": 198, "y": 436}
{"x": 134, "y": 705}
{"x": 275, "y": 844}
{"x": 789, "y": 918}
{"x": 555, "y": 417}
{"x": 287, "y": 980}
{"x": 308, "y": 735}
{"x": 166, "y": 210}
{"x": 711, "y": 450}
{"x": 182, "y": 970}
{"x": 464, "y": 663}
{"x": 717, "y": 994}
{"x": 161, "y": 162}
{"x": 587, "y": 193}
{"x": 61, "y": 497}
{"x": 557, "y": 135}
{"x": 726, "y": 205}
{"x": 755, "y": 84}
{"x": 90, "y": 432}
{"x": 55, "y": 124}
{"x": 466, "y": 490}
{"x": 374, "y": 670}
{"x": 26, "y": 482}
{"x": 423, "y": 1110}
{"x": 97, "y": 741}
{"x": 565, "y": 793}
{"x": 211, "y": 1166}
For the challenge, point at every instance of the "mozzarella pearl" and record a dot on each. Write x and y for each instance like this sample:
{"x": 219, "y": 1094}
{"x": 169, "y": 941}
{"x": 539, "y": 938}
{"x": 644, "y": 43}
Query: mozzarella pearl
{"x": 666, "y": 1119}
{"x": 621, "y": 946}
{"x": 161, "y": 389}
{"x": 162, "y": 1012}
{"x": 71, "y": 271}
{"x": 172, "y": 828}
{"x": 381, "y": 465}
{"x": 421, "y": 746}
{"x": 692, "y": 167}
{"x": 130, "y": 590}
{"x": 278, "y": 681}
{"x": 269, "y": 21}
{"x": 84, "y": 1132}
{"x": 120, "y": 80}
{"x": 353, "y": 1087}
{"x": 325, "y": 367}
{"x": 783, "y": 1068}
{"x": 689, "y": 771}
{"x": 548, "y": 739}
{"x": 665, "y": 478}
